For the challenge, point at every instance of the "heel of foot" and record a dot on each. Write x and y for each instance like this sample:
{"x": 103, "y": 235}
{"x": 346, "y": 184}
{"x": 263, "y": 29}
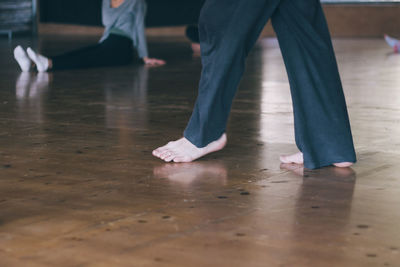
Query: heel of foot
{"x": 216, "y": 145}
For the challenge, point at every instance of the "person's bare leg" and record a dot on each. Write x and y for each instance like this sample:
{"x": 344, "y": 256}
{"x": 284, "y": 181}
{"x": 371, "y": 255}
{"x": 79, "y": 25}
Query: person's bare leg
{"x": 297, "y": 158}
{"x": 183, "y": 150}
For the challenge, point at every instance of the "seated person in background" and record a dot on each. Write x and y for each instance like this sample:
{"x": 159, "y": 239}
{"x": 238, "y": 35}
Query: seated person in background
{"x": 393, "y": 43}
{"x": 124, "y": 30}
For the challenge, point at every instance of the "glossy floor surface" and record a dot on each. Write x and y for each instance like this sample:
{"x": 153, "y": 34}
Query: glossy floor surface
{"x": 79, "y": 186}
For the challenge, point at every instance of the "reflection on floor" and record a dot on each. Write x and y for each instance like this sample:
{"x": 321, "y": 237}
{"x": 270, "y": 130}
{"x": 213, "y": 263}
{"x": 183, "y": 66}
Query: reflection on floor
{"x": 79, "y": 187}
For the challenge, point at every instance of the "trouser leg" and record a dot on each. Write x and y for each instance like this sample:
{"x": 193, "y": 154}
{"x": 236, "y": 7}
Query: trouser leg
{"x": 115, "y": 50}
{"x": 322, "y": 127}
{"x": 228, "y": 30}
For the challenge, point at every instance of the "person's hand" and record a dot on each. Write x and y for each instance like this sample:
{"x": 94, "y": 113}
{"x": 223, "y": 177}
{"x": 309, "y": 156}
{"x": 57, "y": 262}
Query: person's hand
{"x": 153, "y": 62}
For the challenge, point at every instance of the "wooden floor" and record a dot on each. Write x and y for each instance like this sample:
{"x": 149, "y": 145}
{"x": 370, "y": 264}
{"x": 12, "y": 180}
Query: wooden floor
{"x": 79, "y": 186}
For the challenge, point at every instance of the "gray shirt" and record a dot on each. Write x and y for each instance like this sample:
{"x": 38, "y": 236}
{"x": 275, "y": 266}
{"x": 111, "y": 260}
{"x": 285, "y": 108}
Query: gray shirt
{"x": 126, "y": 20}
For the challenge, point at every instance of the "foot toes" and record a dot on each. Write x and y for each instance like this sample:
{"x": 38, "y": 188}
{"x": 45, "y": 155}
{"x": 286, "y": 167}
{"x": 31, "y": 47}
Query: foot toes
{"x": 169, "y": 157}
{"x": 159, "y": 151}
{"x": 166, "y": 155}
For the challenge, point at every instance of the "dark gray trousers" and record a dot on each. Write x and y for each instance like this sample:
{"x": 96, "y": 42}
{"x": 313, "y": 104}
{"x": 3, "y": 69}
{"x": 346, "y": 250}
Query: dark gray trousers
{"x": 229, "y": 29}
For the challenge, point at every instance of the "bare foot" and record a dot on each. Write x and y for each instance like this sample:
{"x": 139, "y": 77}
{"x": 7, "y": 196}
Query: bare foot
{"x": 184, "y": 151}
{"x": 298, "y": 159}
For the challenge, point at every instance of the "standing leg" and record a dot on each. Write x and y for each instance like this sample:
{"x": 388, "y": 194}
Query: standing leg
{"x": 228, "y": 30}
{"x": 322, "y": 128}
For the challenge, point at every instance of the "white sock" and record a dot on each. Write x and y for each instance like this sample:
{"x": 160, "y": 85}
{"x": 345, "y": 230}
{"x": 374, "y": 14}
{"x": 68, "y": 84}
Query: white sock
{"x": 42, "y": 62}
{"x": 392, "y": 42}
{"x": 22, "y": 58}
